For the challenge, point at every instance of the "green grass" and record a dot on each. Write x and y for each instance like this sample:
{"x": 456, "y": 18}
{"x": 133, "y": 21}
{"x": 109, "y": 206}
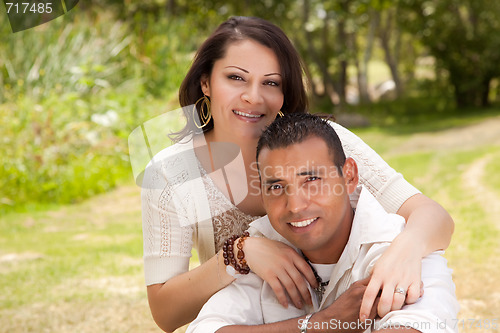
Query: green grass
{"x": 446, "y": 175}
{"x": 65, "y": 246}
{"x": 79, "y": 267}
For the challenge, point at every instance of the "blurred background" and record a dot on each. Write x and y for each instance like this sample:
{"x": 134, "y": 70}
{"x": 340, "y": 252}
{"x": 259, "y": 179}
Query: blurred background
{"x": 418, "y": 80}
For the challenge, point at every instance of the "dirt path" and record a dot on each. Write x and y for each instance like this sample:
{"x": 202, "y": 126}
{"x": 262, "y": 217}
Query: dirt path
{"x": 473, "y": 179}
{"x": 483, "y": 133}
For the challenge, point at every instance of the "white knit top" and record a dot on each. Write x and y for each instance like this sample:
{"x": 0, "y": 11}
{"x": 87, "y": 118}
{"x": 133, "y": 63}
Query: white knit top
{"x": 182, "y": 208}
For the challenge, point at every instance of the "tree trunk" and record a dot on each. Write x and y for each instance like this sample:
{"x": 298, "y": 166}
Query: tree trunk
{"x": 361, "y": 75}
{"x": 329, "y": 84}
{"x": 342, "y": 40}
{"x": 171, "y": 7}
{"x": 485, "y": 102}
{"x": 390, "y": 59}
{"x": 362, "y": 68}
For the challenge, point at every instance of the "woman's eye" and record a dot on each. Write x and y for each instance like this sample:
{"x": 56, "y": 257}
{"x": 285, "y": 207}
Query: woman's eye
{"x": 235, "y": 77}
{"x": 272, "y": 83}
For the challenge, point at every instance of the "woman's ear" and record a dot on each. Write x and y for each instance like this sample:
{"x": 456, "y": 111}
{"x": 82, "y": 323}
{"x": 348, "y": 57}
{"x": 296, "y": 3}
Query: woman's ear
{"x": 205, "y": 85}
{"x": 350, "y": 172}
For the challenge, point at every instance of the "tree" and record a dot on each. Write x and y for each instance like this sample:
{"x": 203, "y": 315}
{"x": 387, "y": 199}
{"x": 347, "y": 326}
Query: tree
{"x": 464, "y": 37}
{"x": 389, "y": 34}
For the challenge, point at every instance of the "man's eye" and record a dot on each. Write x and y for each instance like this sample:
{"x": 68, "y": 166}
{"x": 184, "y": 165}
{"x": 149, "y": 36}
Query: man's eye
{"x": 275, "y": 189}
{"x": 312, "y": 178}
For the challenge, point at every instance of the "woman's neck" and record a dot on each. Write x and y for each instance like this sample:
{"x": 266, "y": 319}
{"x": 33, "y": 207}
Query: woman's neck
{"x": 247, "y": 146}
{"x": 219, "y": 151}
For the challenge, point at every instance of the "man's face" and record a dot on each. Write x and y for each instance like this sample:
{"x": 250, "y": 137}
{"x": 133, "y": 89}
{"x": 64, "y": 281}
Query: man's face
{"x": 307, "y": 198}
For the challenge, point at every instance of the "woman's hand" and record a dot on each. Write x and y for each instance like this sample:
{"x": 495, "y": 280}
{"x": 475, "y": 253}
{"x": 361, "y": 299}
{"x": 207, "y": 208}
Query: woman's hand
{"x": 282, "y": 268}
{"x": 399, "y": 267}
{"x": 428, "y": 228}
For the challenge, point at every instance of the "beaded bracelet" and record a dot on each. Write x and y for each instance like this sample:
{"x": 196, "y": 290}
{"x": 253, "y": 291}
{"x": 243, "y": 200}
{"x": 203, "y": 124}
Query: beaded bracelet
{"x": 239, "y": 263}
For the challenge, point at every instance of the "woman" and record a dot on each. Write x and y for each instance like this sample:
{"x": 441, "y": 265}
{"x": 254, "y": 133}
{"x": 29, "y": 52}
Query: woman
{"x": 242, "y": 77}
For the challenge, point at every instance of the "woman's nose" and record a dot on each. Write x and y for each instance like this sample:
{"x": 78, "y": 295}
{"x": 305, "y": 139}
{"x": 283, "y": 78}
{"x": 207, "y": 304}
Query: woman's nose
{"x": 252, "y": 94}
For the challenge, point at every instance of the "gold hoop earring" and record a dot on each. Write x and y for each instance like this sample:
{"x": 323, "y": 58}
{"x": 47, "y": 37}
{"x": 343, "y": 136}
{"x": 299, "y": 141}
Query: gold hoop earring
{"x": 204, "y": 114}
{"x": 280, "y": 114}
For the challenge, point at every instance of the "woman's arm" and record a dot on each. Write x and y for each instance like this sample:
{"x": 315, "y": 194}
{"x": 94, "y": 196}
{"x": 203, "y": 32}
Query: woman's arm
{"x": 429, "y": 224}
{"x": 179, "y": 300}
{"x": 429, "y": 228}
{"x": 175, "y": 294}
{"x": 244, "y": 307}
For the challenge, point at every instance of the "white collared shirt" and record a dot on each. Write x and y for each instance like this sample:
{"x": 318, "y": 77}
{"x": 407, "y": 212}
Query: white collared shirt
{"x": 250, "y": 301}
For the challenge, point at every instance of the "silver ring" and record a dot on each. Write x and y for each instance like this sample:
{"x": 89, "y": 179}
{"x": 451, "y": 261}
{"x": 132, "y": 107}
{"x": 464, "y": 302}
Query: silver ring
{"x": 400, "y": 291}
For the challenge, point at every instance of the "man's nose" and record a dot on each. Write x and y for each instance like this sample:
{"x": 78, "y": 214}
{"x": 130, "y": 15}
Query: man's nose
{"x": 297, "y": 200}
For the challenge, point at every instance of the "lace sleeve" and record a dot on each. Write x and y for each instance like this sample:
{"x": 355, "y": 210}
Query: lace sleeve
{"x": 389, "y": 187}
{"x": 166, "y": 235}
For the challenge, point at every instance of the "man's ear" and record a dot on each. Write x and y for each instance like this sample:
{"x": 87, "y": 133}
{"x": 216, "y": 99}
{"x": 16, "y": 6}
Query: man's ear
{"x": 205, "y": 85}
{"x": 350, "y": 172}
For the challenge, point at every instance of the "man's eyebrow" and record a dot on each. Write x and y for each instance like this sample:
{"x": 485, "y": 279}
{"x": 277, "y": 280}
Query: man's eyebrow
{"x": 271, "y": 181}
{"x": 308, "y": 173}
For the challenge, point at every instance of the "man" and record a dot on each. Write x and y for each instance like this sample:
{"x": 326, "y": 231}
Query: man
{"x": 306, "y": 181}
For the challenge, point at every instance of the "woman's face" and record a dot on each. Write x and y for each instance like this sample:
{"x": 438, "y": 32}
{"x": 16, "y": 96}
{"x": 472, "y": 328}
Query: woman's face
{"x": 245, "y": 91}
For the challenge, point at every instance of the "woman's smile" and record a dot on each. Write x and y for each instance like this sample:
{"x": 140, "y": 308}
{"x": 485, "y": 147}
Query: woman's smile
{"x": 248, "y": 116}
{"x": 245, "y": 91}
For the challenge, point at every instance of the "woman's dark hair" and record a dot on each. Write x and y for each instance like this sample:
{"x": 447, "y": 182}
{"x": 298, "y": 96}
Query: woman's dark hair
{"x": 214, "y": 48}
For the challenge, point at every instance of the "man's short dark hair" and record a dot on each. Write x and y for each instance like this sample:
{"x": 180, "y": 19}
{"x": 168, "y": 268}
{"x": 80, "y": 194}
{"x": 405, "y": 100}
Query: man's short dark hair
{"x": 295, "y": 128}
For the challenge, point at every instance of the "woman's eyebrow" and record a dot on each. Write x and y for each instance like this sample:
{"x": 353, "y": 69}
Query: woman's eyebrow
{"x": 244, "y": 70}
{"x": 241, "y": 69}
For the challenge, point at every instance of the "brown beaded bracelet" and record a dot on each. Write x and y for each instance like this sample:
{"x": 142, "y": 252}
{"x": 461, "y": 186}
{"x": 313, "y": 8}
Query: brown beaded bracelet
{"x": 239, "y": 263}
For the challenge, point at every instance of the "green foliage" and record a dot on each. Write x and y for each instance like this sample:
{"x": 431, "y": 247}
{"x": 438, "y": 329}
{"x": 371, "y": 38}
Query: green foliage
{"x": 162, "y": 51}
{"x": 463, "y": 36}
{"x": 73, "y": 90}
{"x": 63, "y": 56}
{"x": 419, "y": 114}
{"x": 49, "y": 155}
